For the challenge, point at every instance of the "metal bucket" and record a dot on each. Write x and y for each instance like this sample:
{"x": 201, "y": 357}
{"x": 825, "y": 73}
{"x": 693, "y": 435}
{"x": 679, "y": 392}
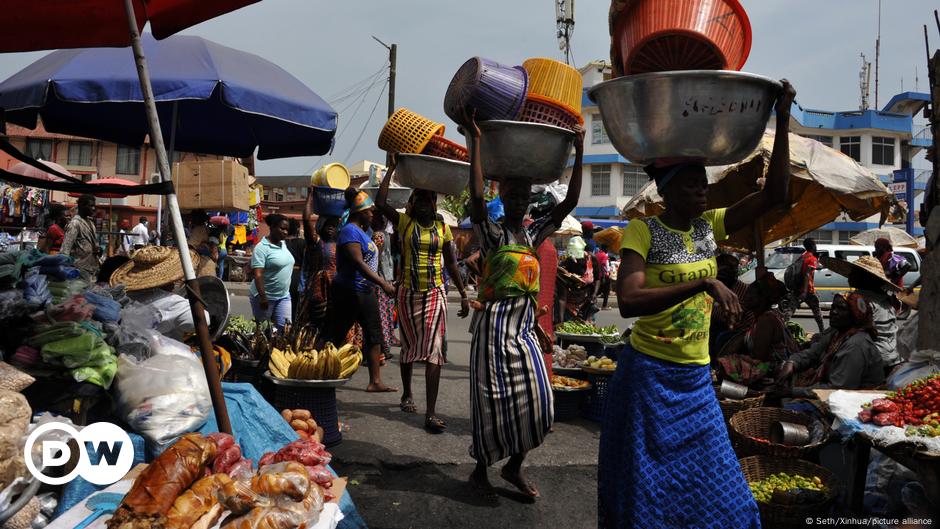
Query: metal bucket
{"x": 511, "y": 150}
{"x": 789, "y": 434}
{"x": 419, "y": 171}
{"x": 730, "y": 390}
{"x": 333, "y": 175}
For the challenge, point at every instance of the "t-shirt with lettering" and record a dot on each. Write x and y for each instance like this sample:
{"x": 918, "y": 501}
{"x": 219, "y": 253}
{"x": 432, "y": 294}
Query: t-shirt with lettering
{"x": 347, "y": 273}
{"x": 810, "y": 265}
{"x": 680, "y": 333}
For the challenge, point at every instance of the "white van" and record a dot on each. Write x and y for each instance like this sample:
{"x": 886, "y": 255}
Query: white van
{"x": 829, "y": 283}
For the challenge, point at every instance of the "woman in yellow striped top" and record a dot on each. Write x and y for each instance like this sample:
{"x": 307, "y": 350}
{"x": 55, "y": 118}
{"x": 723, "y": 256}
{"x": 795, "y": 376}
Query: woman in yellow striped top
{"x": 427, "y": 247}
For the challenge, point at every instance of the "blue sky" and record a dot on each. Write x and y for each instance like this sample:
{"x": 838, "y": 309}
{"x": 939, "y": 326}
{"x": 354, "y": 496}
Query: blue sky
{"x": 328, "y": 45}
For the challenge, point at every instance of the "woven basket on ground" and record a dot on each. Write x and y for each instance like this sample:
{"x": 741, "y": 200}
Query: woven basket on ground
{"x": 774, "y": 516}
{"x": 748, "y": 426}
{"x": 731, "y": 406}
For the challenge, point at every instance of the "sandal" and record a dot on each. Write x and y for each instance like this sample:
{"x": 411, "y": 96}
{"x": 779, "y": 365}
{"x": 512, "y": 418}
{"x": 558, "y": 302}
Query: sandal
{"x": 434, "y": 424}
{"x": 408, "y": 406}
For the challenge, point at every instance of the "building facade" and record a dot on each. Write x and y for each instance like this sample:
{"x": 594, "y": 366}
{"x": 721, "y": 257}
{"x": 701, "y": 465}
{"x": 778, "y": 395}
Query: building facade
{"x": 886, "y": 141}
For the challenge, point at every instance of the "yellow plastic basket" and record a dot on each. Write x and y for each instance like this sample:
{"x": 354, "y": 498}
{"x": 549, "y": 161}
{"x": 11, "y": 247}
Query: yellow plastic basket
{"x": 555, "y": 80}
{"x": 408, "y": 132}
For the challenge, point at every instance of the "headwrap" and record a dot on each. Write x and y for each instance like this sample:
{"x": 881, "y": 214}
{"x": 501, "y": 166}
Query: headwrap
{"x": 861, "y": 312}
{"x": 362, "y": 202}
{"x": 664, "y": 174}
{"x": 495, "y": 209}
{"x": 587, "y": 227}
{"x": 576, "y": 247}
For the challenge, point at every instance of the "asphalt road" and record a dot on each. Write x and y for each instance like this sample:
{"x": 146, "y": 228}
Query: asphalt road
{"x": 403, "y": 477}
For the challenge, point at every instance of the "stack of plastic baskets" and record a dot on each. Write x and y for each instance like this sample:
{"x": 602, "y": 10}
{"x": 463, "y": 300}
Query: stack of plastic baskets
{"x": 554, "y": 96}
{"x": 408, "y": 132}
{"x": 486, "y": 88}
{"x": 443, "y": 148}
{"x": 667, "y": 35}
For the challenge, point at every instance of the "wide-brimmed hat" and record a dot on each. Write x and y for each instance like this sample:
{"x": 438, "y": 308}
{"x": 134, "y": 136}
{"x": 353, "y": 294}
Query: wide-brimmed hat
{"x": 151, "y": 267}
{"x": 866, "y": 263}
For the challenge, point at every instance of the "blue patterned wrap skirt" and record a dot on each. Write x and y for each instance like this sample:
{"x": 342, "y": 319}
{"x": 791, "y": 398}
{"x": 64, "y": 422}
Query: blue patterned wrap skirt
{"x": 665, "y": 457}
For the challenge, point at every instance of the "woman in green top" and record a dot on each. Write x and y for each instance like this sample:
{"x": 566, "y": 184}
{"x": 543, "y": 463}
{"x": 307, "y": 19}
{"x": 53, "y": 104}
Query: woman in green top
{"x": 427, "y": 246}
{"x": 665, "y": 458}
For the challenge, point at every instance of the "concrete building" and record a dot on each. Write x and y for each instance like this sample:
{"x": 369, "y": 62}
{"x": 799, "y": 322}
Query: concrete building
{"x": 91, "y": 159}
{"x": 886, "y": 141}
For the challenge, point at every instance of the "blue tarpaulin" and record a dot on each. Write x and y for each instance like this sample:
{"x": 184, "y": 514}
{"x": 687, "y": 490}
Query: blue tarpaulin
{"x": 229, "y": 102}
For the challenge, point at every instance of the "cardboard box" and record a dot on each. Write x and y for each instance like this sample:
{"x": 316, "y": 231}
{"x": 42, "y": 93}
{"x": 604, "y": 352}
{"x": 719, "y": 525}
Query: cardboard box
{"x": 221, "y": 185}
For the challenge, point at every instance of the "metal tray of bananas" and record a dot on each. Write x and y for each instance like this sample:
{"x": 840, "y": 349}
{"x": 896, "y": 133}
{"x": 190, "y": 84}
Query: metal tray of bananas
{"x": 301, "y": 383}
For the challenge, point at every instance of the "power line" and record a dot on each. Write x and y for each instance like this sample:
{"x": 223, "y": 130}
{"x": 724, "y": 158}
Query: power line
{"x": 358, "y": 83}
{"x": 374, "y": 80}
{"x": 366, "y": 124}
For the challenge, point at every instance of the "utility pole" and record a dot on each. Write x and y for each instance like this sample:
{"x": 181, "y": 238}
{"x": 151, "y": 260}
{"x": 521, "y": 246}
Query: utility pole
{"x": 877, "y": 55}
{"x": 392, "y": 64}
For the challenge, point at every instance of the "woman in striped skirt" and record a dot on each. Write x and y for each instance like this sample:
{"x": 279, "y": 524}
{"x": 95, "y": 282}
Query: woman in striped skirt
{"x": 510, "y": 393}
{"x": 422, "y": 301}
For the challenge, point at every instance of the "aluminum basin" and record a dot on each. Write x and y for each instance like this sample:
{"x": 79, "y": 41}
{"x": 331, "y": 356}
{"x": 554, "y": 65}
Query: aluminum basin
{"x": 527, "y": 151}
{"x": 420, "y": 171}
{"x": 397, "y": 196}
{"x": 716, "y": 117}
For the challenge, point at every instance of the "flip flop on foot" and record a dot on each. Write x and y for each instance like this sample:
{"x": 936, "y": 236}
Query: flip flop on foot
{"x": 517, "y": 480}
{"x": 408, "y": 406}
{"x": 380, "y": 388}
{"x": 434, "y": 424}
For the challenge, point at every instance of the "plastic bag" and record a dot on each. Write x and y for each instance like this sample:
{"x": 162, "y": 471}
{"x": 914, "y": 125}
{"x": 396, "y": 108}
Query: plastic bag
{"x": 165, "y": 394}
{"x": 288, "y": 479}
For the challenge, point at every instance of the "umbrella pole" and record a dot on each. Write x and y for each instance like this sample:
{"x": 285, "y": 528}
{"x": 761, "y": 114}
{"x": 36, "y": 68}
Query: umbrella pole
{"x": 198, "y": 310}
{"x": 759, "y": 243}
{"x": 170, "y": 157}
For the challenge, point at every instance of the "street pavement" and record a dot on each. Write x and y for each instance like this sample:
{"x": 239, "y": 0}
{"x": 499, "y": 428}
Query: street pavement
{"x": 403, "y": 477}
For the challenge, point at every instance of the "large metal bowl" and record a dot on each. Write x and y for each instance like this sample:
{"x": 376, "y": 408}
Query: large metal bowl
{"x": 420, "y": 171}
{"x": 526, "y": 151}
{"x": 716, "y": 117}
{"x": 397, "y": 196}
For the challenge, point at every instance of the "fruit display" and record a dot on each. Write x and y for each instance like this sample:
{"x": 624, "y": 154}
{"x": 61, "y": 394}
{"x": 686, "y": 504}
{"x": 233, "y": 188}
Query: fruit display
{"x": 329, "y": 363}
{"x": 916, "y": 406}
{"x": 782, "y": 482}
{"x": 604, "y": 363}
{"x": 573, "y": 357}
{"x": 568, "y": 383}
{"x": 301, "y": 421}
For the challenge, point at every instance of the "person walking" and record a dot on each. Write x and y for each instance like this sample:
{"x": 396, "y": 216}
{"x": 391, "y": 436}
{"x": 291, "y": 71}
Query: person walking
{"x": 807, "y": 293}
{"x": 141, "y": 233}
{"x": 319, "y": 265}
{"x": 895, "y": 266}
{"x": 603, "y": 259}
{"x": 386, "y": 303}
{"x": 81, "y": 239}
{"x": 582, "y": 283}
{"x": 272, "y": 264}
{"x": 427, "y": 248}
{"x": 353, "y": 299}
{"x": 511, "y": 405}
{"x": 51, "y": 242}
{"x": 296, "y": 245}
{"x": 665, "y": 458}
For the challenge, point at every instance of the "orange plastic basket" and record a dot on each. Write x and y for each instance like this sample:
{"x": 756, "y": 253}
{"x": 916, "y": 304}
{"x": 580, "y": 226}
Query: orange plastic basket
{"x": 556, "y": 81}
{"x": 443, "y": 148}
{"x": 666, "y": 35}
{"x": 408, "y": 132}
{"x": 538, "y": 109}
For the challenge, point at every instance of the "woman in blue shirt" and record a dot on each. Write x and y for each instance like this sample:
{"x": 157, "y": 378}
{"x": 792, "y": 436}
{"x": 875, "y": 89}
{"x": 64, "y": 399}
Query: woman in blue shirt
{"x": 354, "y": 299}
{"x": 272, "y": 264}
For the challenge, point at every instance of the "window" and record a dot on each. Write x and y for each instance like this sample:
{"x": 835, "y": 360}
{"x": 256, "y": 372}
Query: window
{"x": 910, "y": 259}
{"x": 598, "y": 133}
{"x": 852, "y": 146}
{"x": 80, "y": 153}
{"x": 278, "y": 196}
{"x": 291, "y": 190}
{"x": 845, "y": 235}
{"x": 128, "y": 160}
{"x": 600, "y": 180}
{"x": 634, "y": 178}
{"x": 39, "y": 149}
{"x": 850, "y": 255}
{"x": 266, "y": 195}
{"x": 820, "y": 236}
{"x": 882, "y": 150}
{"x": 303, "y": 192}
{"x": 825, "y": 140}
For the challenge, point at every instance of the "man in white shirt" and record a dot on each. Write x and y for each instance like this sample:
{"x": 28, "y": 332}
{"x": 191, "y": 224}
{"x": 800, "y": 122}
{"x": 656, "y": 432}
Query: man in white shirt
{"x": 142, "y": 234}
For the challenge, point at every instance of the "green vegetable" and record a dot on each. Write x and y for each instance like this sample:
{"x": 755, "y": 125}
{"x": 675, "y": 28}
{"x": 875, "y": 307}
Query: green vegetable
{"x": 240, "y": 324}
{"x": 581, "y": 327}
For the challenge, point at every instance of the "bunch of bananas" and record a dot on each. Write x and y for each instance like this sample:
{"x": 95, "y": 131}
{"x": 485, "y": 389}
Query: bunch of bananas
{"x": 329, "y": 363}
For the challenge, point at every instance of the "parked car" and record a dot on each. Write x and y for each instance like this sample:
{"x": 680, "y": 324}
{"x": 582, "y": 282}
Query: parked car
{"x": 828, "y": 283}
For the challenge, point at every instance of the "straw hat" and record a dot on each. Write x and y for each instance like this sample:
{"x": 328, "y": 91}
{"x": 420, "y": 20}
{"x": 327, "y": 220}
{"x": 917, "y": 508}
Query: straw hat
{"x": 205, "y": 267}
{"x": 151, "y": 267}
{"x": 865, "y": 263}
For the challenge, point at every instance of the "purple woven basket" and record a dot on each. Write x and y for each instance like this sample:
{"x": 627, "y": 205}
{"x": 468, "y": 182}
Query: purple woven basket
{"x": 494, "y": 90}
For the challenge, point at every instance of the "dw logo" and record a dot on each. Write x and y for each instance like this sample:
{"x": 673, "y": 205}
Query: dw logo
{"x": 109, "y": 442}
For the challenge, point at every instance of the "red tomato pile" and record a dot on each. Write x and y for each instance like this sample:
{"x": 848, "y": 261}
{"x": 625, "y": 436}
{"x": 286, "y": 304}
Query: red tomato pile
{"x": 917, "y": 404}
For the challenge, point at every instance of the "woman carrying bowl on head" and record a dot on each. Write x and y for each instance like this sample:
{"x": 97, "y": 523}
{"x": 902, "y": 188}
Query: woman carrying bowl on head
{"x": 426, "y": 245}
{"x": 665, "y": 458}
{"x": 353, "y": 295}
{"x": 319, "y": 264}
{"x": 272, "y": 264}
{"x": 510, "y": 393}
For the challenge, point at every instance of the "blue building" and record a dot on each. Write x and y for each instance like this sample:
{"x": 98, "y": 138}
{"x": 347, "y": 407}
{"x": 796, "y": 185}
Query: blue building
{"x": 885, "y": 141}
